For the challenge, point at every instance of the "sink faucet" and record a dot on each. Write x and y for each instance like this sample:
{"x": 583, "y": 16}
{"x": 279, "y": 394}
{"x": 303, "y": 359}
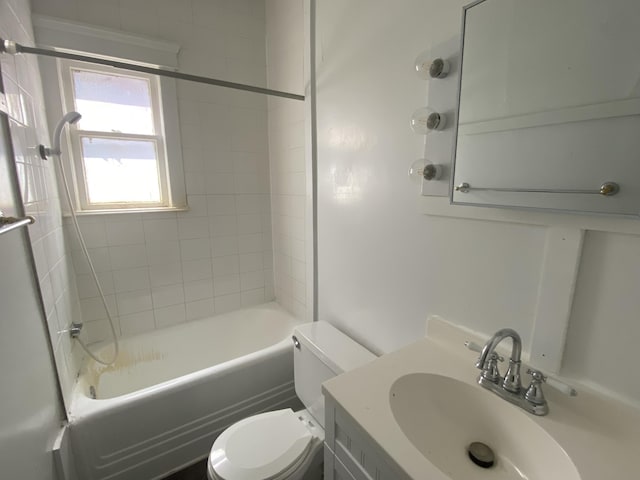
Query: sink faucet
{"x": 509, "y": 386}
{"x": 487, "y": 361}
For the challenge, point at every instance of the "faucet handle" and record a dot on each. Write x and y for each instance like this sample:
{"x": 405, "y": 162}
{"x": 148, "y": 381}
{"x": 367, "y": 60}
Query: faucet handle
{"x": 490, "y": 370}
{"x": 474, "y": 347}
{"x": 536, "y": 375}
{"x": 554, "y": 383}
{"x": 534, "y": 392}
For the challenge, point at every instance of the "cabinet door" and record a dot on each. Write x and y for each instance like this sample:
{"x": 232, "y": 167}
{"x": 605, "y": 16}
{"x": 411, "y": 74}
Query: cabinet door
{"x": 354, "y": 449}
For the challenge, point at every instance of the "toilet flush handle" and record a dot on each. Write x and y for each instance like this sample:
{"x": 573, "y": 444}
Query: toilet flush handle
{"x": 296, "y": 342}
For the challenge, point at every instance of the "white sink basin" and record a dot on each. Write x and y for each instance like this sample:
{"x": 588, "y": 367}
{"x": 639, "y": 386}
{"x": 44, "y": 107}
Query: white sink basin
{"x": 442, "y": 416}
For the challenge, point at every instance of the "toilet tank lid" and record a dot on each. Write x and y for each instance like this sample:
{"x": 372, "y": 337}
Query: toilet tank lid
{"x": 334, "y": 348}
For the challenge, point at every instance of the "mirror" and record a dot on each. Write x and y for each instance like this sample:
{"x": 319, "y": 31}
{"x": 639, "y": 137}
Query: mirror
{"x": 549, "y": 106}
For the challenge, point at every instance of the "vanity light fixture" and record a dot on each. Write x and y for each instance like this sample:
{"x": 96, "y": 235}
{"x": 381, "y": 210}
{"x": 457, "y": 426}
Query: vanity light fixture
{"x": 423, "y": 169}
{"x": 427, "y": 67}
{"x": 424, "y": 120}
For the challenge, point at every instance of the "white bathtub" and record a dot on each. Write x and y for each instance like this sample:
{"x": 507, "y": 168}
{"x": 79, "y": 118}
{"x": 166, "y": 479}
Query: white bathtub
{"x": 172, "y": 391}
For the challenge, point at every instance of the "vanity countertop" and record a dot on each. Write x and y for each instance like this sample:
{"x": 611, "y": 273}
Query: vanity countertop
{"x": 601, "y": 436}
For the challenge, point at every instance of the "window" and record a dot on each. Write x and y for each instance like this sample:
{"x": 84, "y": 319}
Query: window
{"x": 125, "y": 153}
{"x": 118, "y": 146}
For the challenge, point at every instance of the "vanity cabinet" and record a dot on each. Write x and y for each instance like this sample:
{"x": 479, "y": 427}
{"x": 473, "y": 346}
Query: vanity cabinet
{"x": 350, "y": 454}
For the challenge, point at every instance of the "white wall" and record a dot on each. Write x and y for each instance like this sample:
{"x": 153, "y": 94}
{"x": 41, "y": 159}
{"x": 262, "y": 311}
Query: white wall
{"x": 39, "y": 191}
{"x": 604, "y": 329}
{"x": 384, "y": 266}
{"x": 285, "y": 62}
{"x": 31, "y": 413}
{"x": 160, "y": 269}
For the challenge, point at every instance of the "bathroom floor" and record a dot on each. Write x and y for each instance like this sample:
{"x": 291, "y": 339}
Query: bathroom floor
{"x": 197, "y": 471}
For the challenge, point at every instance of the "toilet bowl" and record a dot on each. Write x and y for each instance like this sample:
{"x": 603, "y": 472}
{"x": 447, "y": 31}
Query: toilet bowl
{"x": 283, "y": 444}
{"x": 274, "y": 445}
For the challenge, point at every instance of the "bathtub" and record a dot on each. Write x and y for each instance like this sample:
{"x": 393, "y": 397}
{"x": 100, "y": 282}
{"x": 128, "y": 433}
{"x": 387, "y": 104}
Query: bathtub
{"x": 172, "y": 391}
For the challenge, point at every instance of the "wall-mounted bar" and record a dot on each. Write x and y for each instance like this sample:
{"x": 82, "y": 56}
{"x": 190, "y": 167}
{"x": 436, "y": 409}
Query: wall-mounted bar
{"x": 607, "y": 189}
{"x": 8, "y": 46}
{"x": 11, "y": 223}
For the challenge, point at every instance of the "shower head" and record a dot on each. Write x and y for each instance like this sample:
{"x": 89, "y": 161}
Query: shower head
{"x": 70, "y": 118}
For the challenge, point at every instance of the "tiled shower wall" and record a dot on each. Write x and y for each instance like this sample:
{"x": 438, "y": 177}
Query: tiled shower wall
{"x": 159, "y": 269}
{"x": 36, "y": 177}
{"x": 285, "y": 71}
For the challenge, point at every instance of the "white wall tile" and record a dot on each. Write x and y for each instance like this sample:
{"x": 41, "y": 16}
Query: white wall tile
{"x": 250, "y": 203}
{"x": 163, "y": 252}
{"x": 94, "y": 234}
{"x": 160, "y": 230}
{"x": 93, "y": 308}
{"x": 198, "y": 290}
{"x": 250, "y": 243}
{"x": 195, "y": 249}
{"x": 165, "y": 263}
{"x": 285, "y": 37}
{"x": 128, "y": 256}
{"x": 190, "y": 228}
{"x": 134, "y": 302}
{"x": 200, "y": 309}
{"x": 197, "y": 206}
{"x": 220, "y": 183}
{"x": 250, "y": 262}
{"x": 227, "y": 303}
{"x": 225, "y": 245}
{"x": 223, "y": 225}
{"x": 87, "y": 287}
{"x": 137, "y": 323}
{"x": 252, "y": 297}
{"x": 249, "y": 224}
{"x": 196, "y": 270}
{"x": 226, "y": 285}
{"x": 99, "y": 330}
{"x": 221, "y": 204}
{"x": 195, "y": 182}
{"x": 228, "y": 265}
{"x": 99, "y": 258}
{"x": 251, "y": 280}
{"x": 176, "y": 10}
{"x": 168, "y": 316}
{"x": 131, "y": 279}
{"x": 165, "y": 274}
{"x": 124, "y": 233}
{"x": 167, "y": 295}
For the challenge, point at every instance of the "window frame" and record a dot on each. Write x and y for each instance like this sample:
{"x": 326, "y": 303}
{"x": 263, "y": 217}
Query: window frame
{"x": 66, "y": 69}
{"x": 116, "y": 45}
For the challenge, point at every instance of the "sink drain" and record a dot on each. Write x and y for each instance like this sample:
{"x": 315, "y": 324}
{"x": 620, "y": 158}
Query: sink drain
{"x": 481, "y": 454}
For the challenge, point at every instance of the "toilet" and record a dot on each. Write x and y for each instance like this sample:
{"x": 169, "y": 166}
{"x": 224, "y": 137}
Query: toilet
{"x": 284, "y": 444}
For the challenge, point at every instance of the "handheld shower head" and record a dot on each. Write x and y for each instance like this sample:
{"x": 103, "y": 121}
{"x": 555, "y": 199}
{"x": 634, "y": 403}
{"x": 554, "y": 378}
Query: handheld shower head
{"x": 70, "y": 118}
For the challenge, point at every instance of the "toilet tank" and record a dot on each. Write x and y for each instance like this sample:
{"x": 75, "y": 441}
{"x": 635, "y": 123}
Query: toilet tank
{"x": 321, "y": 352}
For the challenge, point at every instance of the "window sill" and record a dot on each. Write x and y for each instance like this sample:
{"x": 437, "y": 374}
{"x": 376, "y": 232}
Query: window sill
{"x": 124, "y": 211}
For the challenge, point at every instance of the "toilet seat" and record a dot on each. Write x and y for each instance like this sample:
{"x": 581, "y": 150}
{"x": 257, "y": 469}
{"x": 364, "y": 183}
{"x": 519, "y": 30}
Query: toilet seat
{"x": 269, "y": 445}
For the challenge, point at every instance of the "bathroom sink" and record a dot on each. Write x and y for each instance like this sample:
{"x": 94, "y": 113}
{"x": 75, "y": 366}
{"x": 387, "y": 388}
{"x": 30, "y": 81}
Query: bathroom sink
{"x": 442, "y": 416}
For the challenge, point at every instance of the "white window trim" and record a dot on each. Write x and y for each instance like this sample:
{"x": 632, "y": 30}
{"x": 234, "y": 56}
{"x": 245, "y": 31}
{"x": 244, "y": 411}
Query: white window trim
{"x": 65, "y": 35}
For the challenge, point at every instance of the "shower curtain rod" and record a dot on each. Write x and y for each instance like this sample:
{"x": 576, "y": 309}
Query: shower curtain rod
{"x": 11, "y": 47}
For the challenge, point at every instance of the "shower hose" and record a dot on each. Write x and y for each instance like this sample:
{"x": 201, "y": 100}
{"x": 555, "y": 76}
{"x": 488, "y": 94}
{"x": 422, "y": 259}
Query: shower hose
{"x": 83, "y": 246}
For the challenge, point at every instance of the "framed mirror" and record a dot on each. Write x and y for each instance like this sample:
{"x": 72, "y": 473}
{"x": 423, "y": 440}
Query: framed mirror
{"x": 549, "y": 106}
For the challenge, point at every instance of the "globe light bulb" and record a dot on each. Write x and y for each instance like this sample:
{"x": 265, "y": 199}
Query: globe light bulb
{"x": 423, "y": 169}
{"x": 427, "y": 67}
{"x": 424, "y": 120}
